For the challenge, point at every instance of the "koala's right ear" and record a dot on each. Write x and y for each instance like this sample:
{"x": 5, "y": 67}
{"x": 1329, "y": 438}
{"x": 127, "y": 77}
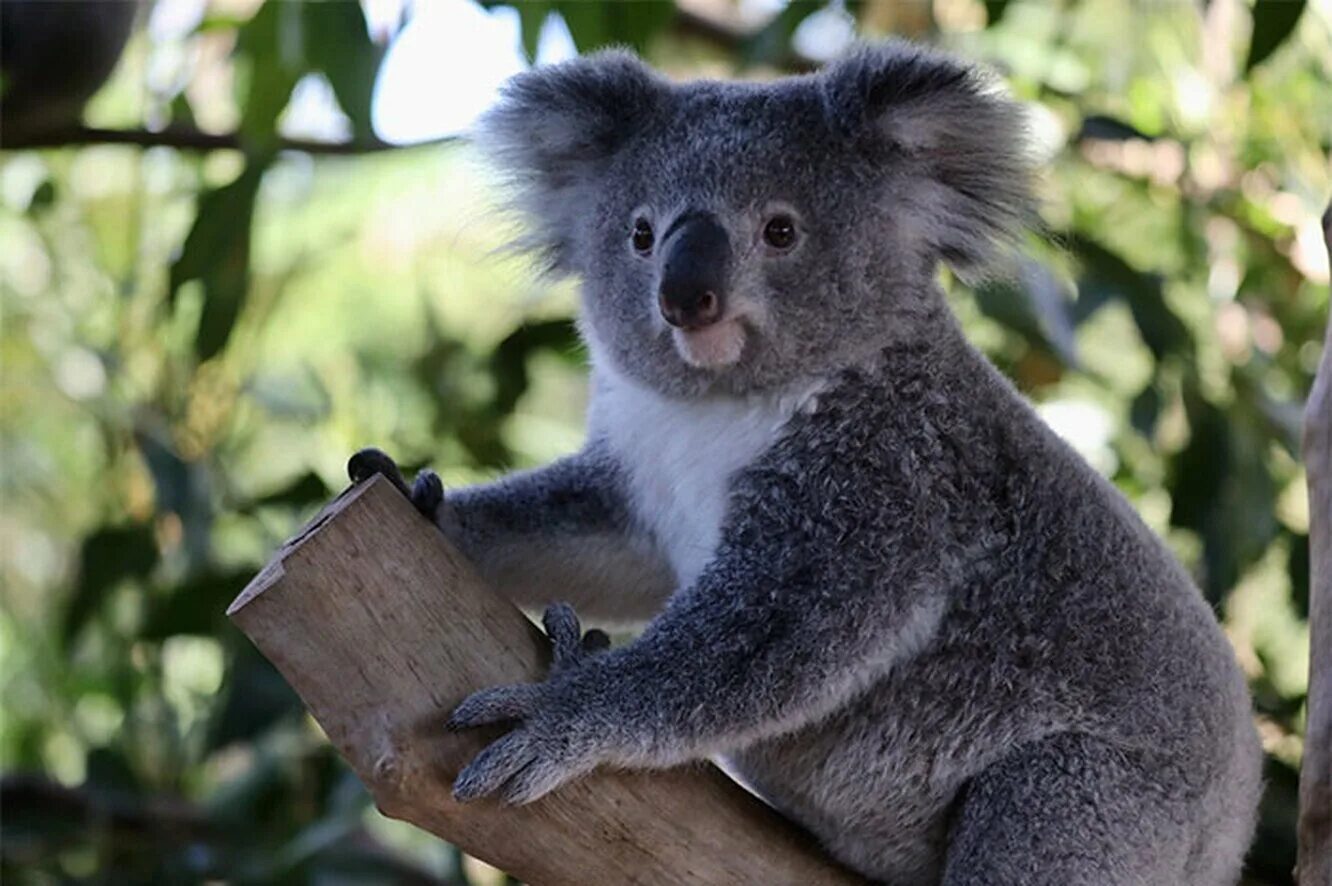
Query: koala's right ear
{"x": 552, "y": 132}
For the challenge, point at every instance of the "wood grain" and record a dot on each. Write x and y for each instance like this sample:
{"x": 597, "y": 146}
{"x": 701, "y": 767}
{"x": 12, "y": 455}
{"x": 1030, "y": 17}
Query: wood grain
{"x": 382, "y": 628}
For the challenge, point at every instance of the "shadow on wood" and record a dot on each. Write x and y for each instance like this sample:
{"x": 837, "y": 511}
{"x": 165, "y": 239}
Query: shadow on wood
{"x": 382, "y": 628}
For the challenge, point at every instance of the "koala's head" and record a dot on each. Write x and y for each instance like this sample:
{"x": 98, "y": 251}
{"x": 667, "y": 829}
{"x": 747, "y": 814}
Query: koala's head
{"x": 734, "y": 237}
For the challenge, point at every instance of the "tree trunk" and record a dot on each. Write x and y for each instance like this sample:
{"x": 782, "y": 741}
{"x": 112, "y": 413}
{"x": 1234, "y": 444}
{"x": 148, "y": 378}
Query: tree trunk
{"x": 382, "y": 628}
{"x": 1315, "y": 854}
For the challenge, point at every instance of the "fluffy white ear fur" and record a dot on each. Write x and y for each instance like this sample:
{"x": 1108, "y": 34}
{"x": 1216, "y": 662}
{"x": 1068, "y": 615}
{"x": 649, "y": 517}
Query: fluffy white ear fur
{"x": 962, "y": 145}
{"x": 553, "y": 129}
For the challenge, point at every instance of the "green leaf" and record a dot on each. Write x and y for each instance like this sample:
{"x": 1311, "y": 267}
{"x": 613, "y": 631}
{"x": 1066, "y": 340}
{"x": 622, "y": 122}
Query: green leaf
{"x": 1273, "y": 22}
{"x": 1106, "y": 276}
{"x": 1145, "y": 410}
{"x": 110, "y": 771}
{"x": 597, "y": 24}
{"x": 181, "y": 488}
{"x": 273, "y": 44}
{"x": 307, "y": 489}
{"x": 217, "y": 253}
{"x": 43, "y": 197}
{"x": 531, "y": 19}
{"x": 254, "y": 700}
{"x": 107, "y": 557}
{"x": 771, "y": 43}
{"x": 509, "y": 363}
{"x": 197, "y": 606}
{"x": 1099, "y": 127}
{"x": 338, "y": 44}
{"x": 587, "y": 24}
{"x": 994, "y": 11}
{"x": 1035, "y": 307}
{"x": 1222, "y": 489}
{"x": 1297, "y": 567}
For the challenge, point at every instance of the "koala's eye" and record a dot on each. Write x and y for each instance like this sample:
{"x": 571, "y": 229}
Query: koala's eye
{"x": 642, "y": 236}
{"x": 780, "y": 232}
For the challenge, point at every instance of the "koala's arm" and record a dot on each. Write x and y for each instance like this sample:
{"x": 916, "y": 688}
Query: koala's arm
{"x": 561, "y": 532}
{"x": 817, "y": 590}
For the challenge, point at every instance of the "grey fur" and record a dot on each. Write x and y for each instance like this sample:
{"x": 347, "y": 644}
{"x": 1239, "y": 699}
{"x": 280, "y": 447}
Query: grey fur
{"x": 923, "y": 627}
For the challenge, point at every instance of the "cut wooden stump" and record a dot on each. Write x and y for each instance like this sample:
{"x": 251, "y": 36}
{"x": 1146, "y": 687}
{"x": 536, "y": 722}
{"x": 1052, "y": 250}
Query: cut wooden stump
{"x": 382, "y": 628}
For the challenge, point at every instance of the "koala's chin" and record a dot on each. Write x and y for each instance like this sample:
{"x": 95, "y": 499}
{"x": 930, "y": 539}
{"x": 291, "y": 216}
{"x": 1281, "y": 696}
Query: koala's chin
{"x": 713, "y": 347}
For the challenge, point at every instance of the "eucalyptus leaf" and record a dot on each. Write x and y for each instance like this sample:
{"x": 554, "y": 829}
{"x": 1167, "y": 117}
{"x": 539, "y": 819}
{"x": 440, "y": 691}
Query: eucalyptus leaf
{"x": 1273, "y": 22}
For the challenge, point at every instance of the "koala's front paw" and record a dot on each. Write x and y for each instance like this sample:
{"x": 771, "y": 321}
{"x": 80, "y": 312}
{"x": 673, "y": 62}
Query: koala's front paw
{"x": 551, "y": 742}
{"x": 426, "y": 493}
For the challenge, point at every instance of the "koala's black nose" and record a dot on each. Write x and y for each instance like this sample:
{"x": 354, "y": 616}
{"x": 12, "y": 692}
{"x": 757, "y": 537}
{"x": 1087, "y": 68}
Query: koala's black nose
{"x": 693, "y": 275}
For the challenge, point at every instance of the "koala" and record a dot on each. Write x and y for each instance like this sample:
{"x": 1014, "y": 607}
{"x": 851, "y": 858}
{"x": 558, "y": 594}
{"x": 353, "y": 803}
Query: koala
{"x": 875, "y": 584}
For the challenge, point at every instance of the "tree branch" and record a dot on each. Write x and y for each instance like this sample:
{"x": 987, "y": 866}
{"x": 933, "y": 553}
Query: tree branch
{"x": 188, "y": 139}
{"x": 382, "y": 628}
{"x": 1315, "y": 831}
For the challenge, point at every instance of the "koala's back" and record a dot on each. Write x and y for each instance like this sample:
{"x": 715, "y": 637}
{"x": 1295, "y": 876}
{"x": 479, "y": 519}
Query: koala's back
{"x": 1072, "y": 630}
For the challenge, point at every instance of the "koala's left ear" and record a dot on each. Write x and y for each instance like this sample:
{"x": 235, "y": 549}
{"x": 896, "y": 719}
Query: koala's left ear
{"x": 552, "y": 132}
{"x": 961, "y": 145}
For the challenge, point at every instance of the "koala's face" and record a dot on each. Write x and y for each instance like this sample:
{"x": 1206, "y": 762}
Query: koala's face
{"x": 737, "y": 237}
{"x": 724, "y": 250}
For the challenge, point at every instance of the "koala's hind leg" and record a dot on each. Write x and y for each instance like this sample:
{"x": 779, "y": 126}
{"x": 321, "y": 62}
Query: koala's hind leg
{"x": 1071, "y": 811}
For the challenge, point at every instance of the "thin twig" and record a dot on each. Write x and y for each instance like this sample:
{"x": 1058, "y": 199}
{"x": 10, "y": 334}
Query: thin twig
{"x": 190, "y": 139}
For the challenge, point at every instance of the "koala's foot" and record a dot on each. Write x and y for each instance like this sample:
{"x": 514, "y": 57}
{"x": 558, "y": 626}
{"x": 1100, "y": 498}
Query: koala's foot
{"x": 426, "y": 493}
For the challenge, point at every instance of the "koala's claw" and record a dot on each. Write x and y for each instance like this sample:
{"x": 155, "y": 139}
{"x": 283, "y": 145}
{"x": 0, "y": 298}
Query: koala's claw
{"x": 498, "y": 705}
{"x": 370, "y": 461}
{"x": 571, "y": 646}
{"x": 426, "y": 493}
{"x": 520, "y": 768}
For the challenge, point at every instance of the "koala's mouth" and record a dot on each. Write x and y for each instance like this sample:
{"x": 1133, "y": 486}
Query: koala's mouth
{"x": 711, "y": 347}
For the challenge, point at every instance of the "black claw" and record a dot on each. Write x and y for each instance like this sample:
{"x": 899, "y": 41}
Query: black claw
{"x": 596, "y": 640}
{"x": 370, "y": 461}
{"x": 427, "y": 493}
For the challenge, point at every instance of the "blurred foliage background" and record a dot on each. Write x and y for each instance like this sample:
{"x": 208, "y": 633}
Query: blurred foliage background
{"x": 217, "y": 281}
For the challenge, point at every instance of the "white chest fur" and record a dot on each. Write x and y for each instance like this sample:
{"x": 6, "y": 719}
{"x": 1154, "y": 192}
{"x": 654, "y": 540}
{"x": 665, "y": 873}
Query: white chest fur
{"x": 681, "y": 456}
